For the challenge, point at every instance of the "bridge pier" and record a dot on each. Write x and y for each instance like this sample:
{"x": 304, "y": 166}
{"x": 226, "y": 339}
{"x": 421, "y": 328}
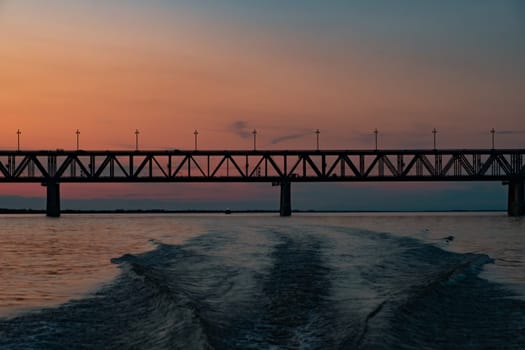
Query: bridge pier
{"x": 516, "y": 202}
{"x": 286, "y": 198}
{"x": 53, "y": 199}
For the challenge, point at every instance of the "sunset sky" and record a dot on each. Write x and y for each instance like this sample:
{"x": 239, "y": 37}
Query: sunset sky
{"x": 285, "y": 68}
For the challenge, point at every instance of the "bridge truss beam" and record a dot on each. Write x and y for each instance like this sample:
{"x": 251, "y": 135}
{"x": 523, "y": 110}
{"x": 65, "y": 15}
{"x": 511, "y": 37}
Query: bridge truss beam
{"x": 276, "y": 166}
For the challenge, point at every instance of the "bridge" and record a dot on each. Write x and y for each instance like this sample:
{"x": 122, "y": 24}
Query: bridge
{"x": 278, "y": 167}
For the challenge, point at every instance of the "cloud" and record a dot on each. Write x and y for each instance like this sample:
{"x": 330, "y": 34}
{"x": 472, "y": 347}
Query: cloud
{"x": 510, "y": 132}
{"x": 240, "y": 128}
{"x": 288, "y": 137}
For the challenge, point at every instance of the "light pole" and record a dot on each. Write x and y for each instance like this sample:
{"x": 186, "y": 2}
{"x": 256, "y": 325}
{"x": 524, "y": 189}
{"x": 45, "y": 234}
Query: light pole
{"x": 434, "y": 132}
{"x": 317, "y": 132}
{"x": 254, "y": 132}
{"x": 137, "y": 139}
{"x": 196, "y": 133}
{"x": 376, "y": 133}
{"x": 78, "y": 137}
{"x": 18, "y": 133}
{"x": 492, "y": 132}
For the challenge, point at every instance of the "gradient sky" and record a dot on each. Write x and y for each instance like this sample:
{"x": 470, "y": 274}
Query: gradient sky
{"x": 285, "y": 68}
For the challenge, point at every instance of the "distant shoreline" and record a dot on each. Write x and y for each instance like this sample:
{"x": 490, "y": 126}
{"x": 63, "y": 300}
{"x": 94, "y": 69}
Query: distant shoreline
{"x": 256, "y": 211}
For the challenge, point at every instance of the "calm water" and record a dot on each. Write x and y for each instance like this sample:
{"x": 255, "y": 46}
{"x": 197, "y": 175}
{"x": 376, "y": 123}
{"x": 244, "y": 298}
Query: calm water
{"x": 381, "y": 281}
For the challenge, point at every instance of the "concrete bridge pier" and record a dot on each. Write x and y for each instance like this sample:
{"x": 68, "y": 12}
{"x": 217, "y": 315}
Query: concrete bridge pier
{"x": 286, "y": 198}
{"x": 53, "y": 199}
{"x": 516, "y": 202}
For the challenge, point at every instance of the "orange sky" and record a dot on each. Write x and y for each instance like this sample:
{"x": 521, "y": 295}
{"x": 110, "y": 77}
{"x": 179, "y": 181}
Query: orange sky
{"x": 167, "y": 69}
{"x": 65, "y": 67}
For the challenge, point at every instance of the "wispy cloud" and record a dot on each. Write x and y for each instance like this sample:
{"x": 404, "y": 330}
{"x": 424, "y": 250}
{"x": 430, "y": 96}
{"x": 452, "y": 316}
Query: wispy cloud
{"x": 240, "y": 128}
{"x": 510, "y": 132}
{"x": 287, "y": 137}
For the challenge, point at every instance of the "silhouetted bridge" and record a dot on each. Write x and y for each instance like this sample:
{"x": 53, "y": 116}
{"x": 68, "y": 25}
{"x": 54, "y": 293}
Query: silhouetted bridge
{"x": 279, "y": 167}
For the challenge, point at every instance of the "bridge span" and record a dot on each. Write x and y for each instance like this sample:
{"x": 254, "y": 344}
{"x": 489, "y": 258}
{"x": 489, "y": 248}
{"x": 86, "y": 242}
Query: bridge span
{"x": 278, "y": 167}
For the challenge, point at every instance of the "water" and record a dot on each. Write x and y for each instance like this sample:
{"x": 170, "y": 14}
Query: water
{"x": 348, "y": 281}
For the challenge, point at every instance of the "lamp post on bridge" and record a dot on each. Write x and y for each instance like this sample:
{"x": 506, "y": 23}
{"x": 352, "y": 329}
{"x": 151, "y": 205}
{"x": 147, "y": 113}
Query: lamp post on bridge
{"x": 493, "y": 132}
{"x": 254, "y": 132}
{"x": 137, "y": 139}
{"x": 18, "y": 133}
{"x": 195, "y": 133}
{"x": 434, "y": 132}
{"x": 78, "y": 138}
{"x": 317, "y": 132}
{"x": 375, "y": 134}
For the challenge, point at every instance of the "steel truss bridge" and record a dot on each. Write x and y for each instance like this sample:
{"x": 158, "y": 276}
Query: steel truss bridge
{"x": 279, "y": 167}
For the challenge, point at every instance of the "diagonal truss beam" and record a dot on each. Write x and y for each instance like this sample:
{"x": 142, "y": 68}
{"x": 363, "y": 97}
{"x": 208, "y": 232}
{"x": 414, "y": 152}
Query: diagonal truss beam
{"x": 238, "y": 165}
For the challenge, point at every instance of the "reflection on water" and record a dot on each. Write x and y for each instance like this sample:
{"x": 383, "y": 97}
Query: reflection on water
{"x": 46, "y": 261}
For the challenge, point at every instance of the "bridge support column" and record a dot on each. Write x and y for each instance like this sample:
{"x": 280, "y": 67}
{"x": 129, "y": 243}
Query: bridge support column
{"x": 516, "y": 202}
{"x": 53, "y": 199}
{"x": 286, "y": 199}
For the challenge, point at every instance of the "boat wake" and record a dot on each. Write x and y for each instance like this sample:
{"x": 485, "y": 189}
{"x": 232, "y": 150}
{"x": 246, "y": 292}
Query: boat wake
{"x": 301, "y": 289}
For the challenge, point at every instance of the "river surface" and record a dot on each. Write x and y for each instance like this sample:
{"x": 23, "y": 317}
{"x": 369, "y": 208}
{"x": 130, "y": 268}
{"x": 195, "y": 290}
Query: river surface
{"x": 312, "y": 281}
